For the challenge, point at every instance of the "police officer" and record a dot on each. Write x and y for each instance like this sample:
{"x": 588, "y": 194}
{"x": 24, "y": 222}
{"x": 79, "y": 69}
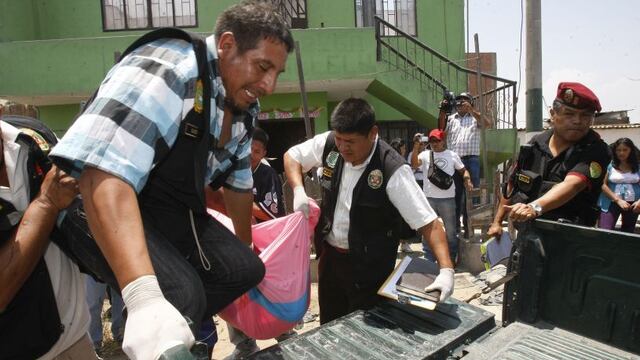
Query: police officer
{"x": 559, "y": 173}
{"x": 367, "y": 190}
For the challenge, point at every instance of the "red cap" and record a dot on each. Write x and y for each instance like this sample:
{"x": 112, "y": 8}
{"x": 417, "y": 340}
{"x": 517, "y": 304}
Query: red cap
{"x": 577, "y": 96}
{"x": 436, "y": 133}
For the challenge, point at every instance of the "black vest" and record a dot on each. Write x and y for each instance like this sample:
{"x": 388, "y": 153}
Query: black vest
{"x": 374, "y": 223}
{"x": 30, "y": 325}
{"x": 534, "y": 175}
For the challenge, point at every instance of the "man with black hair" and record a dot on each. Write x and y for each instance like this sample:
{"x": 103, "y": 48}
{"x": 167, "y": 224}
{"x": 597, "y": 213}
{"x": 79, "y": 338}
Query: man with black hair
{"x": 144, "y": 153}
{"x": 368, "y": 188}
{"x": 267, "y": 187}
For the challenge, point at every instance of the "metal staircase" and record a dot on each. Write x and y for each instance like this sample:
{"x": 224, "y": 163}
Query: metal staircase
{"x": 436, "y": 73}
{"x": 294, "y": 11}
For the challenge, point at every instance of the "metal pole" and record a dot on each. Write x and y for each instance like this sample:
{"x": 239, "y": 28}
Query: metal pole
{"x": 483, "y": 142}
{"x": 534, "y": 66}
{"x": 303, "y": 92}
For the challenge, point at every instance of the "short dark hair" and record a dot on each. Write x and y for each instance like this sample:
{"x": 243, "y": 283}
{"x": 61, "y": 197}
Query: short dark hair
{"x": 353, "y": 115}
{"x": 261, "y": 135}
{"x": 252, "y": 21}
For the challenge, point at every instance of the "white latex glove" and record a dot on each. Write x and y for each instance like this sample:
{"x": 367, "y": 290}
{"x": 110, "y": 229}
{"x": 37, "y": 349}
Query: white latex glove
{"x": 153, "y": 324}
{"x": 301, "y": 200}
{"x": 443, "y": 282}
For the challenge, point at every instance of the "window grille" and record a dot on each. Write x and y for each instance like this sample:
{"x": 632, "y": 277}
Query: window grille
{"x": 400, "y": 13}
{"x": 148, "y": 14}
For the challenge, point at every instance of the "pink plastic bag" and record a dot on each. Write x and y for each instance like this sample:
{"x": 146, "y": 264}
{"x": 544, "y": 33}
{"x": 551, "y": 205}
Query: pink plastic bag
{"x": 282, "y": 298}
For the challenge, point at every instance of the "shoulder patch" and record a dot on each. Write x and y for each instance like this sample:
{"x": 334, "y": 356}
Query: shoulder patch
{"x": 42, "y": 143}
{"x": 595, "y": 170}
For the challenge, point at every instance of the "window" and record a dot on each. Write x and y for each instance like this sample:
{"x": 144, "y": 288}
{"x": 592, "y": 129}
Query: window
{"x": 147, "y": 14}
{"x": 400, "y": 13}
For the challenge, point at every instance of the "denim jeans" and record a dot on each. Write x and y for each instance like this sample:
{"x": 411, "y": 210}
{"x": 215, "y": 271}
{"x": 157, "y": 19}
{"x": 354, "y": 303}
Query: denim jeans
{"x": 472, "y": 164}
{"x": 195, "y": 291}
{"x": 96, "y": 293}
{"x": 446, "y": 210}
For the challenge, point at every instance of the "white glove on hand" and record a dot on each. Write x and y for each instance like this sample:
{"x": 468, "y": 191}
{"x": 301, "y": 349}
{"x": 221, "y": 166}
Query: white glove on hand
{"x": 301, "y": 200}
{"x": 153, "y": 324}
{"x": 443, "y": 282}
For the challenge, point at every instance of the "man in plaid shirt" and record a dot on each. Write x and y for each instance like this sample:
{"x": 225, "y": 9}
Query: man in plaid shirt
{"x": 139, "y": 172}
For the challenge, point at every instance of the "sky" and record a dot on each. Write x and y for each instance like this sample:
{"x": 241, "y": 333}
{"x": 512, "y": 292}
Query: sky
{"x": 596, "y": 43}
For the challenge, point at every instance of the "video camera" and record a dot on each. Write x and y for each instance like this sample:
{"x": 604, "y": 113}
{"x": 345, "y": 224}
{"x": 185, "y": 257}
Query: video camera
{"x": 448, "y": 103}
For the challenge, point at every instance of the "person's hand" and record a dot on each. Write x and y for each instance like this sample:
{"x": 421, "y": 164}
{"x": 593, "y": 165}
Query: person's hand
{"x": 624, "y": 206}
{"x": 417, "y": 138}
{"x": 153, "y": 324}
{"x": 301, "y": 200}
{"x": 520, "y": 212}
{"x": 443, "y": 105}
{"x": 495, "y": 230}
{"x": 443, "y": 282}
{"x": 58, "y": 189}
{"x": 468, "y": 184}
{"x": 635, "y": 207}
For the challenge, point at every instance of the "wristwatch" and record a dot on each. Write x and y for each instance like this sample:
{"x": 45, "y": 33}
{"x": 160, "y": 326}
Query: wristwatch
{"x": 536, "y": 208}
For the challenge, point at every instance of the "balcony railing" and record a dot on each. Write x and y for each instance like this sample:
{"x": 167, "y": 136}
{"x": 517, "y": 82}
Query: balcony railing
{"x": 295, "y": 11}
{"x": 436, "y": 73}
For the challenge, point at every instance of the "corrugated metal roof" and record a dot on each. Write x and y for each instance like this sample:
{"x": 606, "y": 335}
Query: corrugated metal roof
{"x": 603, "y": 127}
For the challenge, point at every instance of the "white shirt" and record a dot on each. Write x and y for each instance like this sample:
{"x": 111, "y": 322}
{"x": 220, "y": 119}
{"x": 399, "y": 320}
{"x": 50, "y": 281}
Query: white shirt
{"x": 66, "y": 280}
{"x": 402, "y": 190}
{"x": 447, "y": 161}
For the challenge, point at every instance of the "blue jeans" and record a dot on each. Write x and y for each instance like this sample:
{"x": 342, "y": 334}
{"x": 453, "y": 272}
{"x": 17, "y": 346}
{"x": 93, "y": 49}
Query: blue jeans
{"x": 446, "y": 209}
{"x": 96, "y": 293}
{"x": 472, "y": 164}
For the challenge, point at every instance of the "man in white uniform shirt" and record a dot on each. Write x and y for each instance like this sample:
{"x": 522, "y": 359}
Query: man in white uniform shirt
{"x": 368, "y": 188}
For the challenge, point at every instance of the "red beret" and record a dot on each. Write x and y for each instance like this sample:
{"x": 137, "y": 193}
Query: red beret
{"x": 577, "y": 96}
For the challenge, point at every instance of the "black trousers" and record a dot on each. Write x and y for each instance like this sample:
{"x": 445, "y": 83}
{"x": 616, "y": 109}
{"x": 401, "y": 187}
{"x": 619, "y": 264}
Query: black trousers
{"x": 185, "y": 282}
{"x": 337, "y": 291}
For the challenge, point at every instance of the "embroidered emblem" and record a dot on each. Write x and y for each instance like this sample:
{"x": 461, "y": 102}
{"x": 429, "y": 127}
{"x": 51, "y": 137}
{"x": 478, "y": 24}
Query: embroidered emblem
{"x": 595, "y": 170}
{"x": 198, "y": 100}
{"x": 375, "y": 179}
{"x": 42, "y": 143}
{"x": 332, "y": 158}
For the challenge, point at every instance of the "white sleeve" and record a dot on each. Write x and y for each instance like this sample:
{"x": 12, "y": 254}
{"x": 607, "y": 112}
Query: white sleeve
{"x": 408, "y": 198}
{"x": 457, "y": 162}
{"x": 425, "y": 158}
{"x": 309, "y": 153}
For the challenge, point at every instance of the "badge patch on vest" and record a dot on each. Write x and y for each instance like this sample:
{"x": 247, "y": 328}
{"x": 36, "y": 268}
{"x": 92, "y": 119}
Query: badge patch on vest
{"x": 332, "y": 158}
{"x": 375, "y": 179}
{"x": 595, "y": 170}
{"x": 42, "y": 143}
{"x": 198, "y": 100}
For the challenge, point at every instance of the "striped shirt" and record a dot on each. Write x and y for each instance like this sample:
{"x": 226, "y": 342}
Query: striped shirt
{"x": 463, "y": 135}
{"x": 135, "y": 118}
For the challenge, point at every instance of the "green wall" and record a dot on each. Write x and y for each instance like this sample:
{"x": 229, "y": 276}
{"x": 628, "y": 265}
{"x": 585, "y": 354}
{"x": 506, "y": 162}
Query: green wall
{"x": 59, "y": 117}
{"x": 17, "y": 20}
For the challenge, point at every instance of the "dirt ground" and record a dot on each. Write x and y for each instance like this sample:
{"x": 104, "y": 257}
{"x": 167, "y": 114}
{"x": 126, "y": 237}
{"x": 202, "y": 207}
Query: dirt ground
{"x": 464, "y": 289}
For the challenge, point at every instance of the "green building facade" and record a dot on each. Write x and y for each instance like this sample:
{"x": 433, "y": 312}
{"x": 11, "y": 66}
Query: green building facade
{"x": 54, "y": 53}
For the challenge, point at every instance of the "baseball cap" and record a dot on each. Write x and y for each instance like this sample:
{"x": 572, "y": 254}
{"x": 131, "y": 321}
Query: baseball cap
{"x": 437, "y": 133}
{"x": 577, "y": 96}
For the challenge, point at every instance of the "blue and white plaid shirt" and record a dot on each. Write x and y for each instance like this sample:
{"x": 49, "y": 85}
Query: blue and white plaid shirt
{"x": 137, "y": 113}
{"x": 463, "y": 135}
